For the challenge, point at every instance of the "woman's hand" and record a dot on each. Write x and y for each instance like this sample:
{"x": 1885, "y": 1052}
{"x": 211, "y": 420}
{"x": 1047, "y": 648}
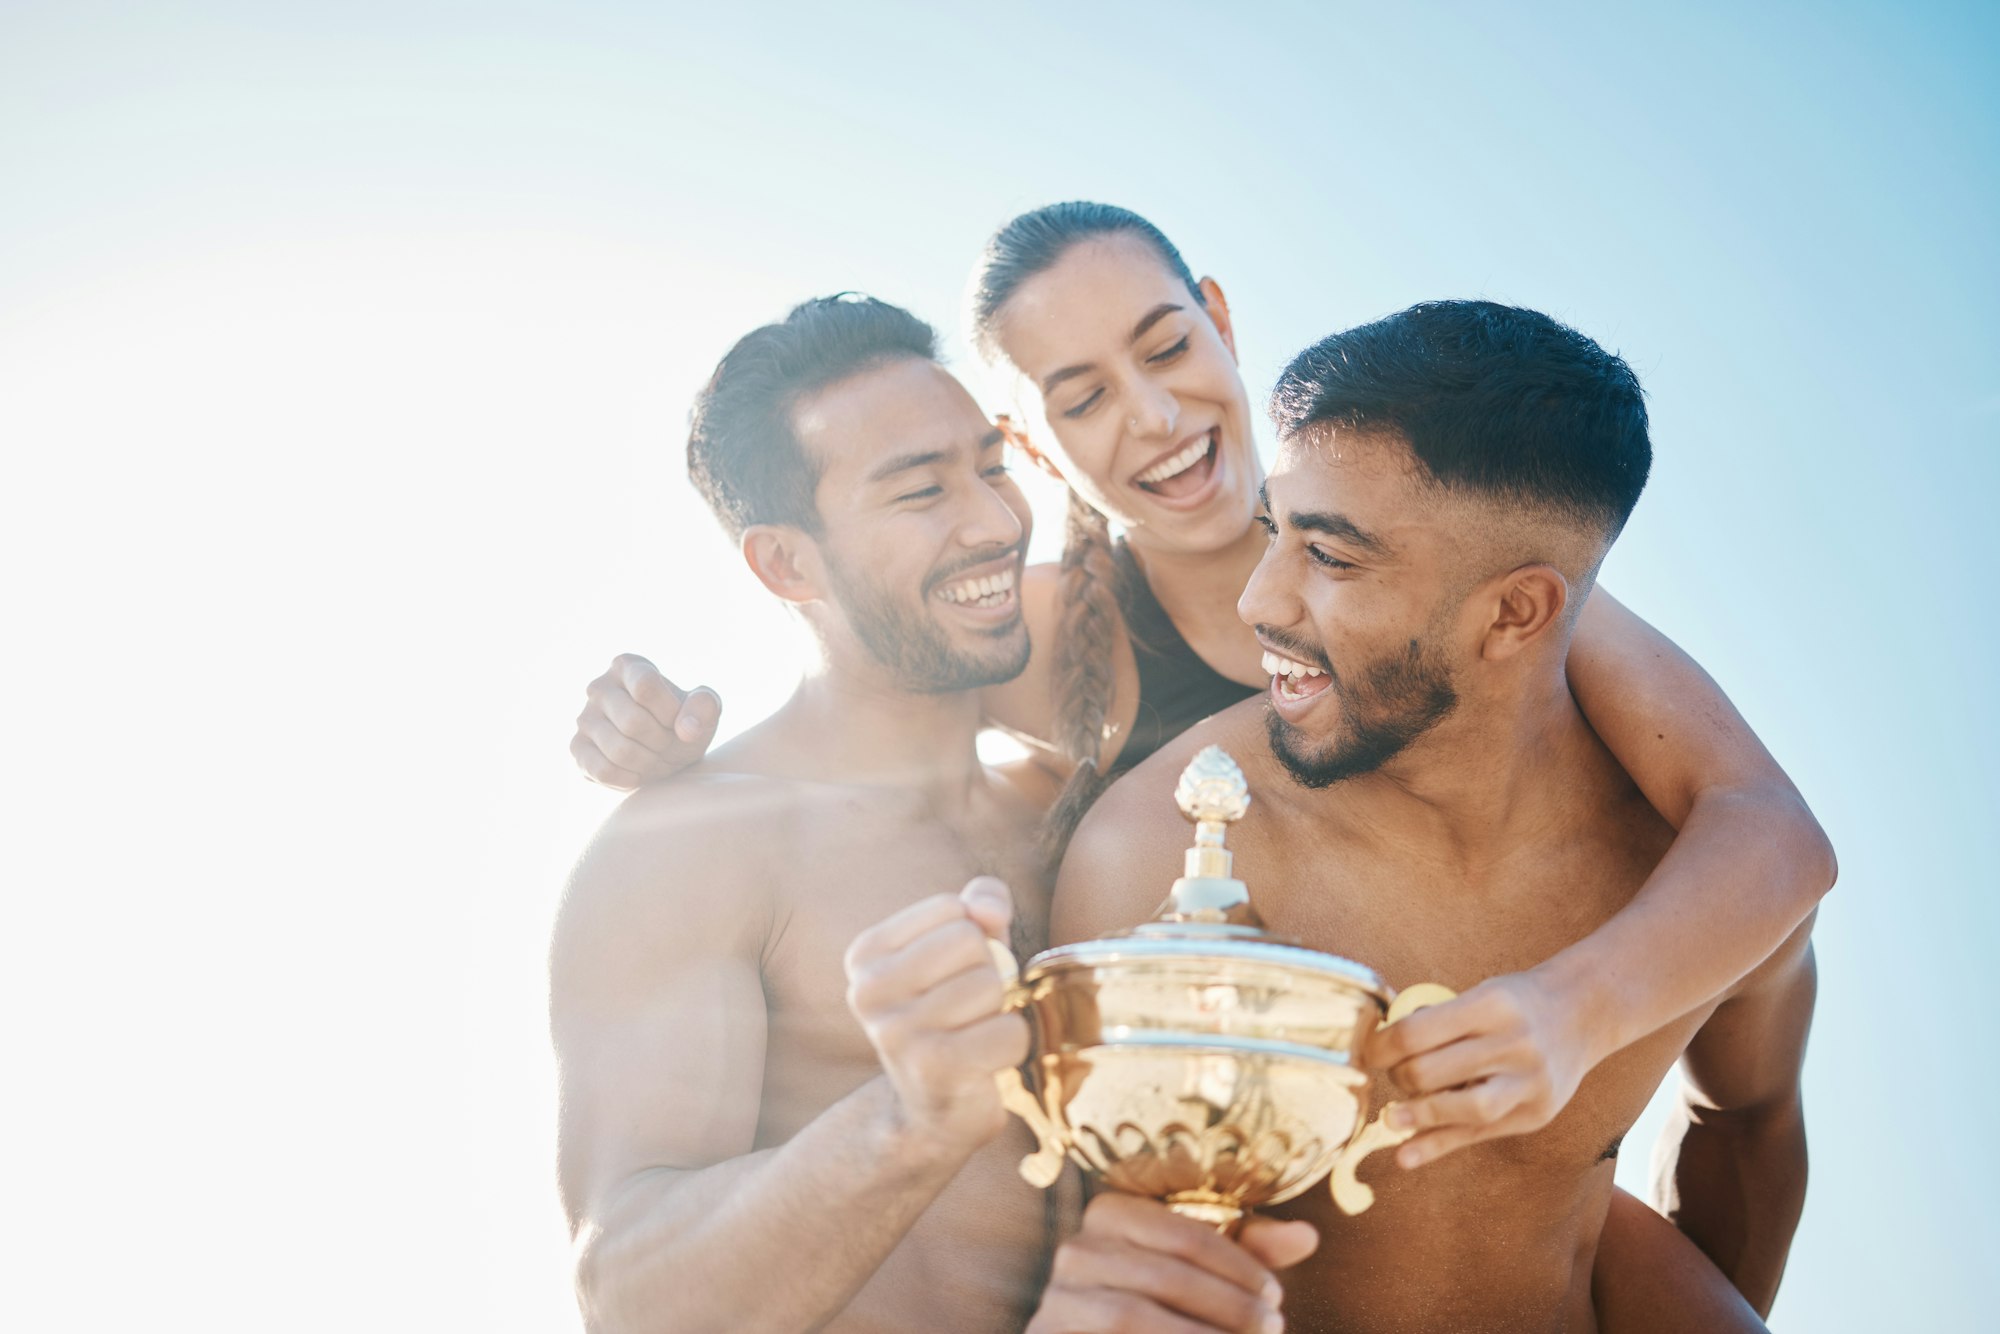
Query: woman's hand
{"x": 638, "y": 727}
{"x": 1502, "y": 1059}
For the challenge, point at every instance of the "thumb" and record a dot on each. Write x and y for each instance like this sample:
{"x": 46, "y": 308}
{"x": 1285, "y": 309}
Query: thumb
{"x": 1278, "y": 1245}
{"x": 990, "y": 904}
{"x": 699, "y": 713}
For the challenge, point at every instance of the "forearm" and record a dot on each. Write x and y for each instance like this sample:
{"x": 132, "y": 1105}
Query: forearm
{"x": 1735, "y": 1183}
{"x": 1746, "y": 869}
{"x": 776, "y": 1240}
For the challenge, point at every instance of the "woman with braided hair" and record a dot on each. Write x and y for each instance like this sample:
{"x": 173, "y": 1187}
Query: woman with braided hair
{"x": 1133, "y": 361}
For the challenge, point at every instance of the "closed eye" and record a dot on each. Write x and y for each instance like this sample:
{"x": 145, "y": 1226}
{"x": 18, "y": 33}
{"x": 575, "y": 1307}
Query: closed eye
{"x": 1086, "y": 405}
{"x": 1270, "y": 529}
{"x": 928, "y": 493}
{"x": 998, "y": 470}
{"x": 1332, "y": 563}
{"x": 1166, "y": 355}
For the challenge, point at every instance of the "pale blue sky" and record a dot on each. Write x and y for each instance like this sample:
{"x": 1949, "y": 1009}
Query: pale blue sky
{"x": 345, "y": 352}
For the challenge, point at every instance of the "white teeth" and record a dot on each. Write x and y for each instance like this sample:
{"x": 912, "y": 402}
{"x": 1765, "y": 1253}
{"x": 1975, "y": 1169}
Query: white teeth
{"x": 991, "y": 589}
{"x": 1278, "y": 666}
{"x": 1179, "y": 463}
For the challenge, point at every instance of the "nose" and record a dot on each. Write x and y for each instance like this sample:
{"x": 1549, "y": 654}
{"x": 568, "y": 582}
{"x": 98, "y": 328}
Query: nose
{"x": 989, "y": 520}
{"x": 1266, "y": 600}
{"x": 1154, "y": 409}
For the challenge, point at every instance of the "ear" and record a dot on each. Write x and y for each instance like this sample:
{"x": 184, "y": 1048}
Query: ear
{"x": 1218, "y": 312}
{"x": 1018, "y": 438}
{"x": 786, "y": 561}
{"x": 1527, "y": 604}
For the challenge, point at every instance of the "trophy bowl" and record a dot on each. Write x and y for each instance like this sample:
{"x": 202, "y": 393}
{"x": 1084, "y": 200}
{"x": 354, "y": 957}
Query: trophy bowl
{"x": 1198, "y": 1059}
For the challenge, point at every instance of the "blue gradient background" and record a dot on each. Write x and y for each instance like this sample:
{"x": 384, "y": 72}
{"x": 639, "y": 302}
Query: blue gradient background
{"x": 344, "y": 358}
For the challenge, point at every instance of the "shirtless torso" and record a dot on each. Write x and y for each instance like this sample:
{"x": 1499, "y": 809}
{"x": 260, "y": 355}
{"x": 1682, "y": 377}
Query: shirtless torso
{"x": 701, "y": 1010}
{"x": 1501, "y": 1236}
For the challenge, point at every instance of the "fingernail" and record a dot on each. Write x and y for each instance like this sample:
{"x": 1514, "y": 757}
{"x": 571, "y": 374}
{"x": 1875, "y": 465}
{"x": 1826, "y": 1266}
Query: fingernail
{"x": 1272, "y": 1323}
{"x": 988, "y": 890}
{"x": 1273, "y": 1295}
{"x": 687, "y": 729}
{"x": 1409, "y": 1158}
{"x": 1400, "y": 1117}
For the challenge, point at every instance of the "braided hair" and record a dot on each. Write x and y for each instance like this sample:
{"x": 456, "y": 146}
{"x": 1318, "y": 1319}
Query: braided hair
{"x": 1088, "y": 627}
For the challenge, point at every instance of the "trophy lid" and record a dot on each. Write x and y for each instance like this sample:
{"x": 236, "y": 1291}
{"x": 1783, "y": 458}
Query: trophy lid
{"x": 1208, "y": 913}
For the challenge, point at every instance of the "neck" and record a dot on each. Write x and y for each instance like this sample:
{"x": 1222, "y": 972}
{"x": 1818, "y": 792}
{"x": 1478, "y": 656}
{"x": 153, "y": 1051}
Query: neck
{"x": 1199, "y": 589}
{"x": 867, "y": 732}
{"x": 1498, "y": 771}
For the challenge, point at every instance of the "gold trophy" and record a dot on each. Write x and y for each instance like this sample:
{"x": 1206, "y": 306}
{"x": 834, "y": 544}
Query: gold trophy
{"x": 1198, "y": 1058}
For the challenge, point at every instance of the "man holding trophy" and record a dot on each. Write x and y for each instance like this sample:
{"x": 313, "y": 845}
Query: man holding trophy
{"x": 736, "y": 1153}
{"x": 1430, "y": 801}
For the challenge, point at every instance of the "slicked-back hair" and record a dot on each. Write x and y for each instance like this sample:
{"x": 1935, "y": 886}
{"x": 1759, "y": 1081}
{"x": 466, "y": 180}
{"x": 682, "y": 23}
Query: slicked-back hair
{"x": 1033, "y": 242}
{"x": 1089, "y": 623}
{"x": 1491, "y": 399}
{"x": 742, "y": 453}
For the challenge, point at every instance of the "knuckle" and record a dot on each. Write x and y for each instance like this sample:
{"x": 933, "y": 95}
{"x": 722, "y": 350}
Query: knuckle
{"x": 1069, "y": 1262}
{"x": 863, "y": 967}
{"x": 1123, "y": 1314}
{"x": 891, "y": 1032}
{"x": 1239, "y": 1310}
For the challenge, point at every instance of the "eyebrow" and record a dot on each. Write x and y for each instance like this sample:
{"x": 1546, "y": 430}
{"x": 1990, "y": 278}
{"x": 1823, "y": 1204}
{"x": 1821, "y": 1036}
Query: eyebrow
{"x": 906, "y": 462}
{"x": 1146, "y": 321}
{"x": 1333, "y": 525}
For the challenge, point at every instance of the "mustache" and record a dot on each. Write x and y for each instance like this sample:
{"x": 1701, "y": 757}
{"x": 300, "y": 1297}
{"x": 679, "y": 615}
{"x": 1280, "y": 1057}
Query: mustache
{"x": 974, "y": 561}
{"x": 1295, "y": 649}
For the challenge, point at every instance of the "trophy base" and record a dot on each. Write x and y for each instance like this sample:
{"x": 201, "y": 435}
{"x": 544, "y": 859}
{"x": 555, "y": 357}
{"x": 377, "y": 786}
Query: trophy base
{"x": 1224, "y": 1218}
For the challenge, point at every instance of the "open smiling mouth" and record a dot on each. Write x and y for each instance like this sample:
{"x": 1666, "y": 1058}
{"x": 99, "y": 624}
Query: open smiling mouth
{"x": 989, "y": 593}
{"x": 1185, "y": 472}
{"x": 1293, "y": 681}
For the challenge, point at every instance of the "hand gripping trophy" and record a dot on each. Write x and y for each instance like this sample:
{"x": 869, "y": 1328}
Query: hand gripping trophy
{"x": 1198, "y": 1058}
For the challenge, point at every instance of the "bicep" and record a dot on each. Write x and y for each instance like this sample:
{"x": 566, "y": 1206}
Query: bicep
{"x": 659, "y": 1023}
{"x": 1752, "y": 1050}
{"x": 1667, "y": 722}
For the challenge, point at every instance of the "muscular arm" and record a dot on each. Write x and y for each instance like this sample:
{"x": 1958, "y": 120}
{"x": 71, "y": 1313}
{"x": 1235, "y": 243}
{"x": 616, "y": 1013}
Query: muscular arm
{"x": 659, "y": 1024}
{"x": 1750, "y": 861}
{"x": 1748, "y": 865}
{"x": 1730, "y": 1170}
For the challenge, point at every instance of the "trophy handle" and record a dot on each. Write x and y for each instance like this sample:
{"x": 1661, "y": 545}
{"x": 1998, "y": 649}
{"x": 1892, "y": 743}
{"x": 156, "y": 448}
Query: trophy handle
{"x": 1045, "y": 1164}
{"x": 1352, "y": 1194}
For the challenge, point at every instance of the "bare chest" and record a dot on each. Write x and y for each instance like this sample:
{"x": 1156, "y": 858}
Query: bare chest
{"x": 859, "y": 863}
{"x": 1527, "y": 1207}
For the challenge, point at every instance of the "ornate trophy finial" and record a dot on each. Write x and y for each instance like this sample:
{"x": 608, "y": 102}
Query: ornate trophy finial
{"x": 1212, "y": 792}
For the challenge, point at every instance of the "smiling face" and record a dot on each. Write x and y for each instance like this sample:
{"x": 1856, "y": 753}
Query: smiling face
{"x": 1357, "y": 604}
{"x": 1140, "y": 385}
{"x": 922, "y": 531}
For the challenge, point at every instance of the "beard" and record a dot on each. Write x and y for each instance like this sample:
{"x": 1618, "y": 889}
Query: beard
{"x": 1390, "y": 704}
{"x": 908, "y": 641}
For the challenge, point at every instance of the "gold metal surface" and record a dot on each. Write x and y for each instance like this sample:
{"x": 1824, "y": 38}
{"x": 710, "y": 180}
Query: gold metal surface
{"x": 1199, "y": 1059}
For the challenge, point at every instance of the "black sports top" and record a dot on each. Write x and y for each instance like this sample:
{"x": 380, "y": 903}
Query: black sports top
{"x": 1176, "y": 688}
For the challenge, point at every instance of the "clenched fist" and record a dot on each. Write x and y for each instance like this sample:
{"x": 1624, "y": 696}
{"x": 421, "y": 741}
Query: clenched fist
{"x": 925, "y": 988}
{"x": 638, "y": 727}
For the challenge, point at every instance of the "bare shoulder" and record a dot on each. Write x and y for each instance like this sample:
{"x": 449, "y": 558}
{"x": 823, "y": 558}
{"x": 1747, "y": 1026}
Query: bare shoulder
{"x": 680, "y": 868}
{"x": 1129, "y": 847}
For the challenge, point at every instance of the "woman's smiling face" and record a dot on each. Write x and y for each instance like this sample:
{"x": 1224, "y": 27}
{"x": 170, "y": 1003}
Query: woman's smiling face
{"x": 1139, "y": 382}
